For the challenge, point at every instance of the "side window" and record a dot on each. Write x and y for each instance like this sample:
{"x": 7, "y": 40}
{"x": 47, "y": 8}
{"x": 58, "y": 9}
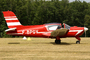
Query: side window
{"x": 59, "y": 27}
{"x": 52, "y": 27}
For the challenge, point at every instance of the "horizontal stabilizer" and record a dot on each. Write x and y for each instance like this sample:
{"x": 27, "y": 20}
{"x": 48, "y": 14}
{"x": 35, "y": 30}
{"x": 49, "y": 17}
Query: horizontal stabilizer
{"x": 11, "y": 29}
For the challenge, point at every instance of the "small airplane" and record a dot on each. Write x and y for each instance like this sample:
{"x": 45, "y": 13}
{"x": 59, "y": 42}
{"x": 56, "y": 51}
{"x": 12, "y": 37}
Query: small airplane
{"x": 49, "y": 30}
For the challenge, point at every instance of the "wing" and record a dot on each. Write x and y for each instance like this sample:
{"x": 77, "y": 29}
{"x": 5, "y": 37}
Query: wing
{"x": 59, "y": 32}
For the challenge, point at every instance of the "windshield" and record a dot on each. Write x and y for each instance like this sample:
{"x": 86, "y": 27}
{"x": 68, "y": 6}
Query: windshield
{"x": 66, "y": 26}
{"x": 53, "y": 26}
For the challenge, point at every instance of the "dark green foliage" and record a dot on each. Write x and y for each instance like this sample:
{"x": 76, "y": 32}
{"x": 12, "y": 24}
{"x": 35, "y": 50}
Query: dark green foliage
{"x": 34, "y": 12}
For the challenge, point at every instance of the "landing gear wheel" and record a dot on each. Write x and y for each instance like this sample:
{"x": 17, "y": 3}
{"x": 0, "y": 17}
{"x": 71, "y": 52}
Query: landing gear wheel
{"x": 77, "y": 42}
{"x": 57, "y": 41}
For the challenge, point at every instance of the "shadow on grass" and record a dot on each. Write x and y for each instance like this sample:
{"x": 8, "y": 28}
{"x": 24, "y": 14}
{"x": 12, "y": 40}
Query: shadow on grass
{"x": 62, "y": 43}
{"x": 14, "y": 43}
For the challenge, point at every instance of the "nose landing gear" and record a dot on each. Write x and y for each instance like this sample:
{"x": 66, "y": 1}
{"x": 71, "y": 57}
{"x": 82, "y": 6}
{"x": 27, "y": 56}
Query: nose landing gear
{"x": 78, "y": 42}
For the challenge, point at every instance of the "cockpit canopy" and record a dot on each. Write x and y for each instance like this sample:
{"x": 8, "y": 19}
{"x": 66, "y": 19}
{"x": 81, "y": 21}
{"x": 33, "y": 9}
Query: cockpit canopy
{"x": 66, "y": 26}
{"x": 54, "y": 26}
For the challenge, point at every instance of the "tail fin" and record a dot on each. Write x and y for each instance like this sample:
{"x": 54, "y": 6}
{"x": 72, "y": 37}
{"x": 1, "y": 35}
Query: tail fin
{"x": 11, "y": 19}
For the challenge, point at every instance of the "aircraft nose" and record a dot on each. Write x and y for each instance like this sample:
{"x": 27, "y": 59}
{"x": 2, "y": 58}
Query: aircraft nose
{"x": 85, "y": 28}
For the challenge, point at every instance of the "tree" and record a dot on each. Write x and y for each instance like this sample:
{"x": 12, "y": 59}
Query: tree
{"x": 33, "y": 12}
{"x": 87, "y": 23}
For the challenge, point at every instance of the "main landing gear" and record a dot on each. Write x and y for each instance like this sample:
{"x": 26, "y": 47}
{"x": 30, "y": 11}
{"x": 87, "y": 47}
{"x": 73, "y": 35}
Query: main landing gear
{"x": 57, "y": 41}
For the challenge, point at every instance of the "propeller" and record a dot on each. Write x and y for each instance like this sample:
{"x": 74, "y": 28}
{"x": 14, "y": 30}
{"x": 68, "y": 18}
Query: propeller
{"x": 85, "y": 29}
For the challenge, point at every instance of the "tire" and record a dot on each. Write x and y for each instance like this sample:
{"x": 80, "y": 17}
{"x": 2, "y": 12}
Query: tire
{"x": 77, "y": 42}
{"x": 57, "y": 41}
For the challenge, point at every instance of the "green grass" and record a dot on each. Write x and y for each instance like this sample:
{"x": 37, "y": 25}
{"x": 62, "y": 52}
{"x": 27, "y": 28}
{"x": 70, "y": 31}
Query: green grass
{"x": 44, "y": 49}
